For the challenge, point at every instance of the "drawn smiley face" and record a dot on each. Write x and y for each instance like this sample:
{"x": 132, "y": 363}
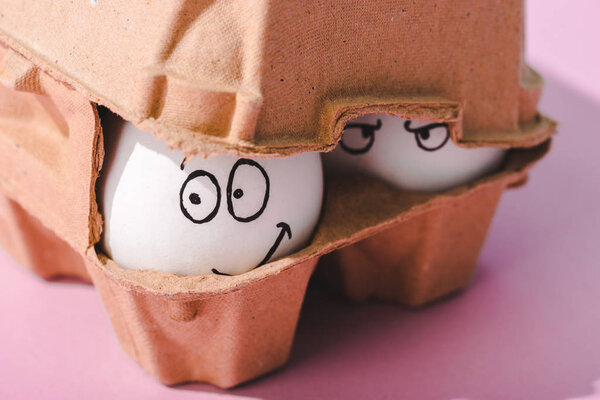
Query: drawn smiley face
{"x": 221, "y": 215}
{"x": 410, "y": 155}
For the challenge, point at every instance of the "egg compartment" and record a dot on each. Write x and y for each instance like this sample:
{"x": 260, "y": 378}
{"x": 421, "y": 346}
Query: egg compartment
{"x": 264, "y": 77}
{"x": 163, "y": 320}
{"x": 419, "y": 260}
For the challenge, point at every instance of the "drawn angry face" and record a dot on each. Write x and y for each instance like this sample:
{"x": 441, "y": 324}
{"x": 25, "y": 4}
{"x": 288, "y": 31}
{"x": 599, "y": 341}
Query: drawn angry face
{"x": 223, "y": 215}
{"x": 408, "y": 154}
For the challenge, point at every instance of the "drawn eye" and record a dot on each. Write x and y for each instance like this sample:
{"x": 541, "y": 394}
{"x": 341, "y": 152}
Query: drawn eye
{"x": 200, "y": 197}
{"x": 359, "y": 138}
{"x": 247, "y": 190}
{"x": 430, "y": 137}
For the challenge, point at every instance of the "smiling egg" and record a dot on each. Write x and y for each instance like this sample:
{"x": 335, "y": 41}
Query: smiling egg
{"x": 410, "y": 155}
{"x": 220, "y": 215}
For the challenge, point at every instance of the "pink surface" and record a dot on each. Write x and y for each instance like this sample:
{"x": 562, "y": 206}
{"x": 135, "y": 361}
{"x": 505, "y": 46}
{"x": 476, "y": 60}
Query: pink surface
{"x": 528, "y": 327}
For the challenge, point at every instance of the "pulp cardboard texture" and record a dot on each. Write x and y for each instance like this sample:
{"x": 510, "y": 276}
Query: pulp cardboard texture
{"x": 51, "y": 146}
{"x": 36, "y": 247}
{"x": 275, "y": 77}
{"x": 434, "y": 254}
{"x": 262, "y": 78}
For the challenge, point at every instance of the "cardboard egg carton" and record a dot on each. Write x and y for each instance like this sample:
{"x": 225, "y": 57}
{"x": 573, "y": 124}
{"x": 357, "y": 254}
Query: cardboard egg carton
{"x": 262, "y": 79}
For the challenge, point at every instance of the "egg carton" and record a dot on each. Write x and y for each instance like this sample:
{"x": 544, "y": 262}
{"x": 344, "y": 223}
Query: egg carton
{"x": 256, "y": 92}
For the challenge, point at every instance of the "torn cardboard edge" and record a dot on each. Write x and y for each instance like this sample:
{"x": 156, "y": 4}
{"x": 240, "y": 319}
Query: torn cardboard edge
{"x": 337, "y": 114}
{"x": 341, "y": 224}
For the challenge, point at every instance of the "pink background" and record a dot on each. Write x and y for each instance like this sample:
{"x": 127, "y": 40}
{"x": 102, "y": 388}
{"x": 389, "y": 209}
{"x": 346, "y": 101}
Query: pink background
{"x": 528, "y": 328}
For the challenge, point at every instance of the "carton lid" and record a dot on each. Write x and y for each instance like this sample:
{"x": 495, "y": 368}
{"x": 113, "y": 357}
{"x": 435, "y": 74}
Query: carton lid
{"x": 275, "y": 78}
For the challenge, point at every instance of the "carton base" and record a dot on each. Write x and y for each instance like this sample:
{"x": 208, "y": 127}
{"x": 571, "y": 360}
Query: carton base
{"x": 224, "y": 339}
{"x": 35, "y": 247}
{"x": 420, "y": 260}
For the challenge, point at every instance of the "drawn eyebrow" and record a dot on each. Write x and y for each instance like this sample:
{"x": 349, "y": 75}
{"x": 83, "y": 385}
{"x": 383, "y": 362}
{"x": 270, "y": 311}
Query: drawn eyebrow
{"x": 423, "y": 128}
{"x": 182, "y": 166}
{"x": 367, "y": 131}
{"x": 423, "y": 132}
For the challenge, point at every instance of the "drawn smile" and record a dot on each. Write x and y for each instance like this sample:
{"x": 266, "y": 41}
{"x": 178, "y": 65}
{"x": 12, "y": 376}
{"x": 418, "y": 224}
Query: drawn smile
{"x": 284, "y": 230}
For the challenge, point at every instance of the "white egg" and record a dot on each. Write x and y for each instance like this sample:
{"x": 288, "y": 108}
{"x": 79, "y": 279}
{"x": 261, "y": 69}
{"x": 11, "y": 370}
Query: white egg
{"x": 222, "y": 215}
{"x": 411, "y": 155}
